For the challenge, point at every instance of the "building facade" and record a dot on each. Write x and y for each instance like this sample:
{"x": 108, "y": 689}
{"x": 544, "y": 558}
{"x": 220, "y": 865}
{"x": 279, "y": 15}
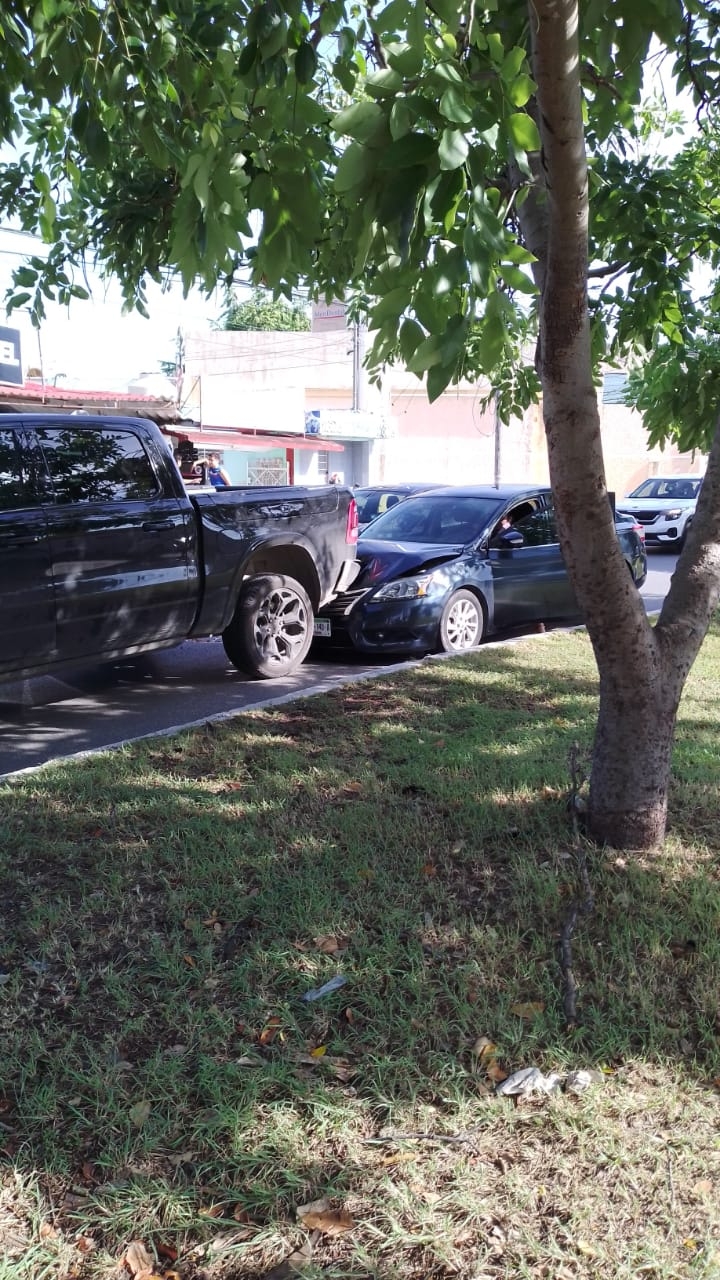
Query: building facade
{"x": 299, "y": 408}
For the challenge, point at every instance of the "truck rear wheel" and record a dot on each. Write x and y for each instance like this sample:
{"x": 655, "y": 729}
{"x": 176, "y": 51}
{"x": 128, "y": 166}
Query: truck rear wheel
{"x": 272, "y": 627}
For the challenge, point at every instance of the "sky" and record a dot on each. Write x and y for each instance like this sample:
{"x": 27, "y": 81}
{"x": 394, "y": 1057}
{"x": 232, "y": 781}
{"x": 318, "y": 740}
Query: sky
{"x": 92, "y": 345}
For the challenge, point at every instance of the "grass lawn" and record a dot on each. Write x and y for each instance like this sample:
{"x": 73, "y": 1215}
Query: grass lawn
{"x": 168, "y": 1099}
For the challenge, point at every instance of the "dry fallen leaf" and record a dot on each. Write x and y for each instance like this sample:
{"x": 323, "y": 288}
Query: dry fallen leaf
{"x": 351, "y": 789}
{"x": 399, "y": 1157}
{"x": 529, "y": 1010}
{"x": 341, "y": 1068}
{"x": 270, "y": 1030}
{"x": 139, "y": 1113}
{"x": 484, "y": 1049}
{"x": 429, "y": 869}
{"x": 329, "y": 944}
{"x": 495, "y": 1072}
{"x": 319, "y": 1051}
{"x": 704, "y": 1187}
{"x": 47, "y": 1231}
{"x": 486, "y": 1053}
{"x": 212, "y": 1211}
{"x": 85, "y": 1244}
{"x": 318, "y": 1216}
{"x": 139, "y": 1262}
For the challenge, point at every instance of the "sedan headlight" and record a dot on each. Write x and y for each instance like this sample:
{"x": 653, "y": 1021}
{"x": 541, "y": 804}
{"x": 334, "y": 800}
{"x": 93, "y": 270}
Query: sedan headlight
{"x": 407, "y": 588}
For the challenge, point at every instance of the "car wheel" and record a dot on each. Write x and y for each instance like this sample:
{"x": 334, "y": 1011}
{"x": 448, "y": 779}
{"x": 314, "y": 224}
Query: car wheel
{"x": 680, "y": 542}
{"x": 462, "y": 623}
{"x": 272, "y": 627}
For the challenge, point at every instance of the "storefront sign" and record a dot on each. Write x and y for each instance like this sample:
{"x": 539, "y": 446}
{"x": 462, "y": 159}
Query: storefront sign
{"x": 10, "y": 360}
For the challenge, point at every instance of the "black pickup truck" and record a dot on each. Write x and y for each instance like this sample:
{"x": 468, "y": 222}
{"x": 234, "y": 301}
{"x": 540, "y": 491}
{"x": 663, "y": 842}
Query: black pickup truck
{"x": 104, "y": 553}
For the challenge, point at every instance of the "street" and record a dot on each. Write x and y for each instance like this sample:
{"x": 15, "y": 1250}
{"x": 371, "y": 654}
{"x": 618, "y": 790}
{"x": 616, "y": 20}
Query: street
{"x": 99, "y": 706}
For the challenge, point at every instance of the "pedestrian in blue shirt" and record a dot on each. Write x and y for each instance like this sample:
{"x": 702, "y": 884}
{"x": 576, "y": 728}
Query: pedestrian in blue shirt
{"x": 216, "y": 474}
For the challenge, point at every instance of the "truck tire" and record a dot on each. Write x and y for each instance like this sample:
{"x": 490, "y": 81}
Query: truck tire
{"x": 272, "y": 627}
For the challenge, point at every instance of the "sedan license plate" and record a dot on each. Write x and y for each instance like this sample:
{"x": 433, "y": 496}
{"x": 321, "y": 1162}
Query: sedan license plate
{"x": 322, "y": 628}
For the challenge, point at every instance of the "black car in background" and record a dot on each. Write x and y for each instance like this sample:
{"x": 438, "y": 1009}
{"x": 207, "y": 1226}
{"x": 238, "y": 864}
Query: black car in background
{"x": 444, "y": 568}
{"x": 375, "y": 499}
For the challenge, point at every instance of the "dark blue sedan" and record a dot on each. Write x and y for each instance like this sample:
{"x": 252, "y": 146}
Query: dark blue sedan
{"x": 443, "y": 569}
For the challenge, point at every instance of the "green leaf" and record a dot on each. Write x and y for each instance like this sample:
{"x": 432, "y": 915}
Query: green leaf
{"x": 247, "y": 58}
{"x": 454, "y": 106}
{"x": 453, "y": 149}
{"x": 414, "y": 148}
{"x": 410, "y": 336}
{"x": 354, "y": 166}
{"x": 427, "y": 354}
{"x": 511, "y": 64}
{"x": 516, "y": 279}
{"x": 406, "y": 59}
{"x": 306, "y": 62}
{"x": 383, "y": 82}
{"x": 360, "y": 121}
{"x": 523, "y": 131}
{"x": 438, "y": 378}
{"x": 521, "y": 90}
{"x": 389, "y": 307}
{"x": 201, "y": 183}
{"x": 490, "y": 344}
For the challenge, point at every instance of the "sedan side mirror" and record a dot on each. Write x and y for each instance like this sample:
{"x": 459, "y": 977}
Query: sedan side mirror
{"x": 507, "y": 539}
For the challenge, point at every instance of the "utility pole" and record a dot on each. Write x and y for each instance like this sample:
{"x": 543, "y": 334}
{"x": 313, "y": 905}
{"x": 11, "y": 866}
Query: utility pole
{"x": 497, "y": 427}
{"x": 358, "y": 372}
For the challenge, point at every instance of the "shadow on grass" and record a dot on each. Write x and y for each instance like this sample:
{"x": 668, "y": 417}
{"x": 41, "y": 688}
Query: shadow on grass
{"x": 166, "y": 909}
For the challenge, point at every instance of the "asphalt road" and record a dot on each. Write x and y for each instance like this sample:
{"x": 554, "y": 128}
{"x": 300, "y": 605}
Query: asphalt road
{"x": 100, "y": 706}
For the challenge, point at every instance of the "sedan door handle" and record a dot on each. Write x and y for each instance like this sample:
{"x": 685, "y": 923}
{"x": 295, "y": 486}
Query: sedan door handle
{"x": 158, "y": 526}
{"x": 29, "y": 541}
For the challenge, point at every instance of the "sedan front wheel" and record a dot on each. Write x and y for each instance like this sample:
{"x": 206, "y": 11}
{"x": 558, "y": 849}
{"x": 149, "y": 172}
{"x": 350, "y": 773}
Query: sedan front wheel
{"x": 462, "y": 623}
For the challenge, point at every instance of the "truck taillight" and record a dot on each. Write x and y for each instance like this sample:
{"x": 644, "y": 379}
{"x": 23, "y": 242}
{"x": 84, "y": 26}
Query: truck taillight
{"x": 351, "y": 529}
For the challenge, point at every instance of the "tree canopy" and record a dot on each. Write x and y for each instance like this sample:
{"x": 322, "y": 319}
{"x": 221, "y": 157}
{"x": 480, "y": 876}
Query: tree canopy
{"x": 387, "y": 150}
{"x": 262, "y": 311}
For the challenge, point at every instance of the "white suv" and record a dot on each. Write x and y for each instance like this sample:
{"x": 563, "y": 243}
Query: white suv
{"x": 664, "y": 506}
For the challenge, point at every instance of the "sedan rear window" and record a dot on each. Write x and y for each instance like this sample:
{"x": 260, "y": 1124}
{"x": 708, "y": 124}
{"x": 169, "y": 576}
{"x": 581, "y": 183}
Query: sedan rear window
{"x": 446, "y": 520}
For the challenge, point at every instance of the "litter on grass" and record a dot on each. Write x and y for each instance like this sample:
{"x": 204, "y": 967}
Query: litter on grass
{"x": 325, "y": 990}
{"x": 532, "y": 1080}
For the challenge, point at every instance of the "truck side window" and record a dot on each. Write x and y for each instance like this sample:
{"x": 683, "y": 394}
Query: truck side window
{"x": 16, "y": 489}
{"x": 89, "y": 464}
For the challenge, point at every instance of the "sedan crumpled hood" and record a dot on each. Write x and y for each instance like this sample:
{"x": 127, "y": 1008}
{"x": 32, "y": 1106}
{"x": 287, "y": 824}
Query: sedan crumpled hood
{"x": 384, "y": 561}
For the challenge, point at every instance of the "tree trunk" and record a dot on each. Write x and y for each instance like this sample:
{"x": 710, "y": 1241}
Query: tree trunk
{"x": 642, "y": 668}
{"x": 631, "y": 761}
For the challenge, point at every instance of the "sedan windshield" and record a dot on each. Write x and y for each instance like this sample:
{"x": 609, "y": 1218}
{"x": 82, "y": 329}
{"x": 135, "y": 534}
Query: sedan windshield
{"x": 445, "y": 520}
{"x": 667, "y": 488}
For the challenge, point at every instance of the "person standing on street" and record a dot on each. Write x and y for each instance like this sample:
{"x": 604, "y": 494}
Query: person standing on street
{"x": 216, "y": 474}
